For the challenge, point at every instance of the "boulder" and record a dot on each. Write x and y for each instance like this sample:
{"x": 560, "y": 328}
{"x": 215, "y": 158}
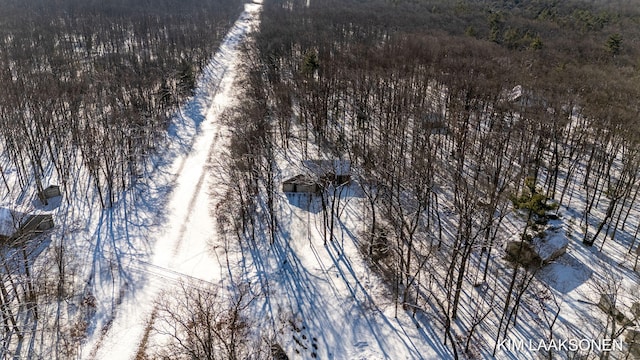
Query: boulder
{"x": 551, "y": 246}
{"x": 540, "y": 250}
{"x": 523, "y": 252}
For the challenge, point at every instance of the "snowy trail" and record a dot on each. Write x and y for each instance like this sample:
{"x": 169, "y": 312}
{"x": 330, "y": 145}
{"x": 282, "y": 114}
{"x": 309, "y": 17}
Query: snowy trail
{"x": 182, "y": 246}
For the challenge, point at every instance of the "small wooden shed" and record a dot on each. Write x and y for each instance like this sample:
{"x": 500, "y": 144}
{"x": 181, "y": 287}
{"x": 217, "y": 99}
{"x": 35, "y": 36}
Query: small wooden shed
{"x": 16, "y": 225}
{"x": 300, "y": 184}
{"x": 51, "y": 191}
{"x": 336, "y": 171}
{"x": 37, "y": 223}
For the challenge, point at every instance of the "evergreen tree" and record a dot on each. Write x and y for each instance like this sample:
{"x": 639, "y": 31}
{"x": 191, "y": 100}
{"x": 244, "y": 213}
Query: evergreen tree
{"x": 311, "y": 63}
{"x": 534, "y": 201}
{"x": 187, "y": 78}
{"x": 614, "y": 44}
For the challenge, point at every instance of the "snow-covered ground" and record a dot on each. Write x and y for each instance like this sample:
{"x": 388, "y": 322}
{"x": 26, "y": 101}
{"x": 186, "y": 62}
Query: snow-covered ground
{"x": 323, "y": 300}
{"x": 180, "y": 248}
{"x": 316, "y": 300}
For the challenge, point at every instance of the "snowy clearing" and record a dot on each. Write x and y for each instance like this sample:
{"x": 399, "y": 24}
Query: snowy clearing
{"x": 180, "y": 250}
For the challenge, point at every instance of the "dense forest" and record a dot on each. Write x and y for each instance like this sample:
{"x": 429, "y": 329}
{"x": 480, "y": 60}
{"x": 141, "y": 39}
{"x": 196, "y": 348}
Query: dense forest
{"x": 95, "y": 83}
{"x": 454, "y": 115}
{"x": 464, "y": 122}
{"x": 88, "y": 87}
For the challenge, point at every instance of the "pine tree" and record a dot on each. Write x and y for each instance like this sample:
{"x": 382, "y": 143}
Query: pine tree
{"x": 614, "y": 44}
{"x": 534, "y": 201}
{"x": 187, "y": 78}
{"x": 311, "y": 63}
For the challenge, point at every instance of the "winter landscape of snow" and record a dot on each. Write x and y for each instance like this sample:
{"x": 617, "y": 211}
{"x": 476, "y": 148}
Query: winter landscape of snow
{"x": 357, "y": 195}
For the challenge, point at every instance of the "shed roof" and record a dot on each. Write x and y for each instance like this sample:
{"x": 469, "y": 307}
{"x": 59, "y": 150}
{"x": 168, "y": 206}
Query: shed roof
{"x": 321, "y": 167}
{"x": 299, "y": 179}
{"x": 11, "y": 220}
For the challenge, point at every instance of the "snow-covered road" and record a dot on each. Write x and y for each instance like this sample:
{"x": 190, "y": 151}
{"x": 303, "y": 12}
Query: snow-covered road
{"x": 183, "y": 243}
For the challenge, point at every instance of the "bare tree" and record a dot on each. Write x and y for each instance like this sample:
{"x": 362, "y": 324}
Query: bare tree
{"x": 207, "y": 323}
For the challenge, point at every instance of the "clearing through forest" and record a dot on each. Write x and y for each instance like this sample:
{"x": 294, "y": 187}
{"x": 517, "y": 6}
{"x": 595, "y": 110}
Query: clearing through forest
{"x": 181, "y": 249}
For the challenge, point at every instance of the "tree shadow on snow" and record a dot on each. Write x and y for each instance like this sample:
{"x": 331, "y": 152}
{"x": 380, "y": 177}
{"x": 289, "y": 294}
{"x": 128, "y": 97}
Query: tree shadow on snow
{"x": 329, "y": 305}
{"x": 565, "y": 274}
{"x": 306, "y": 202}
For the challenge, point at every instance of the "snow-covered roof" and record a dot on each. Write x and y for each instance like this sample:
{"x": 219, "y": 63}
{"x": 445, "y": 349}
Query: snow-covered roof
{"x": 516, "y": 93}
{"x": 11, "y": 220}
{"x": 321, "y": 167}
{"x": 299, "y": 179}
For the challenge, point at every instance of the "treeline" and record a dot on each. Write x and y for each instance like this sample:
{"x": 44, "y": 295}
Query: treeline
{"x": 97, "y": 81}
{"x": 449, "y": 111}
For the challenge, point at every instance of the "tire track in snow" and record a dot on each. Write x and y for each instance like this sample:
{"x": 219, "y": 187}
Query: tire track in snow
{"x": 190, "y": 209}
{"x": 128, "y": 326}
